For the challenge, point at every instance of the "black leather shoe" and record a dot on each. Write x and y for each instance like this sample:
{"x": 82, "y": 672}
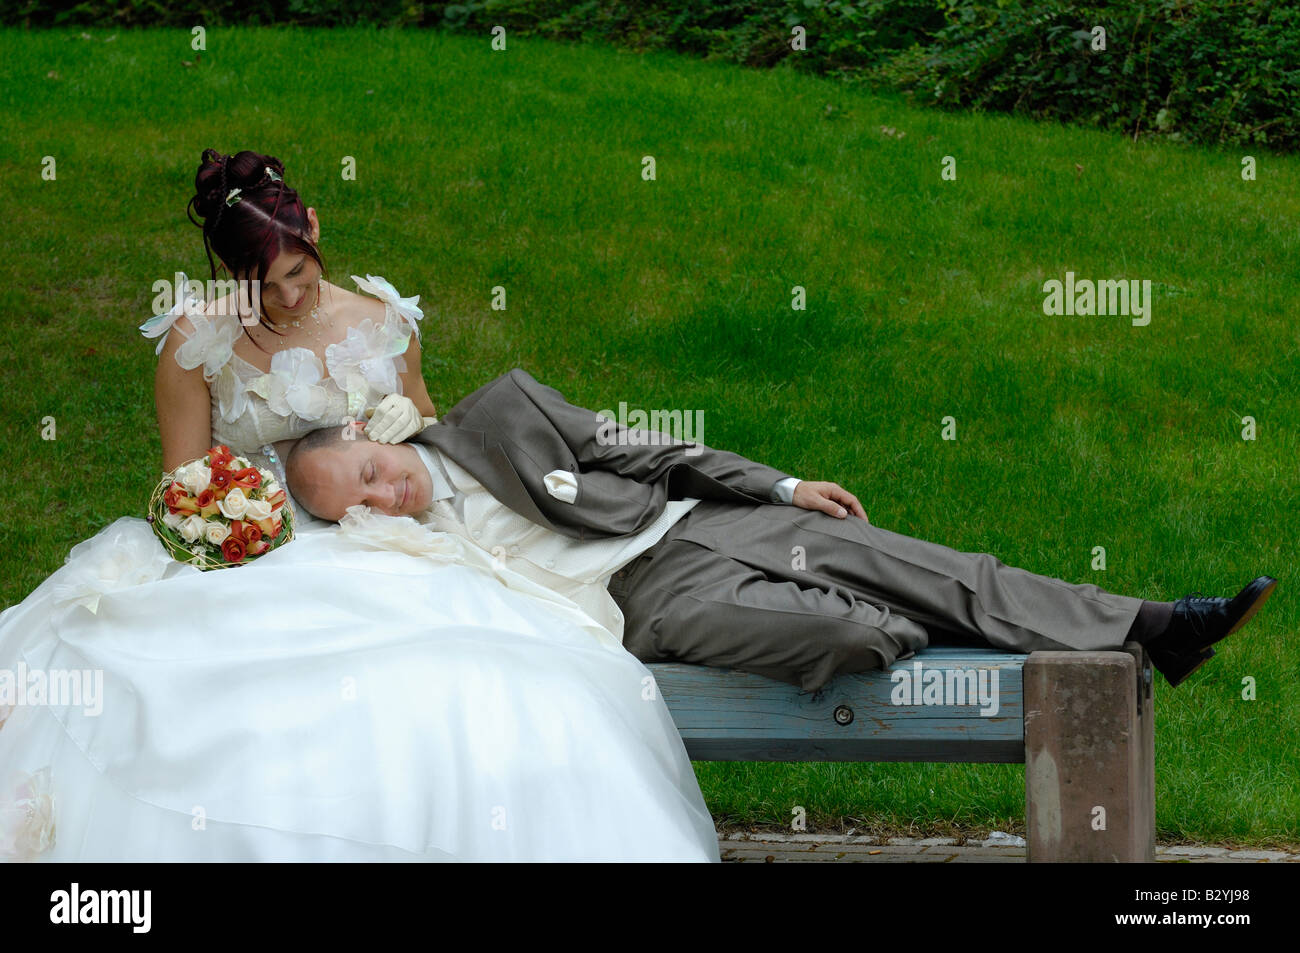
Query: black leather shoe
{"x": 1175, "y": 666}
{"x": 1199, "y": 621}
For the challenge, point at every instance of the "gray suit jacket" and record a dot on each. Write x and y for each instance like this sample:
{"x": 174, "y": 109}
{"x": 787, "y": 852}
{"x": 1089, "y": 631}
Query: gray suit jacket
{"x": 513, "y": 431}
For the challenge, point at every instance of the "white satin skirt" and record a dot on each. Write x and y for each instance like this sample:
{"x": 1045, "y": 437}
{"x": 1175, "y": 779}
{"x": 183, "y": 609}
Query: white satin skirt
{"x": 372, "y": 692}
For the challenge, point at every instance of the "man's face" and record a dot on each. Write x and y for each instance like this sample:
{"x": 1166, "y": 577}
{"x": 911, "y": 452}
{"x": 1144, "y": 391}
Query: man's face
{"x": 390, "y": 478}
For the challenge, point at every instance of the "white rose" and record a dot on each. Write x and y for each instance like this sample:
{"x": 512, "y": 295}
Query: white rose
{"x": 191, "y": 528}
{"x": 196, "y": 478}
{"x": 257, "y": 510}
{"x": 173, "y": 520}
{"x": 215, "y": 532}
{"x": 235, "y": 504}
{"x": 271, "y": 488}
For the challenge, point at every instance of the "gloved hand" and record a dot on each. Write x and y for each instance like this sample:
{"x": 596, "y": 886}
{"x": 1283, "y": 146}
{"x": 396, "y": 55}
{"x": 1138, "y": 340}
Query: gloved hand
{"x": 394, "y": 419}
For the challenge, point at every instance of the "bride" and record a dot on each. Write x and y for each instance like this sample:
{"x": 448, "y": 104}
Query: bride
{"x": 369, "y": 691}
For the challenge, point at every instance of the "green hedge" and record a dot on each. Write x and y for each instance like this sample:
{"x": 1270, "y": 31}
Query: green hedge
{"x": 1204, "y": 71}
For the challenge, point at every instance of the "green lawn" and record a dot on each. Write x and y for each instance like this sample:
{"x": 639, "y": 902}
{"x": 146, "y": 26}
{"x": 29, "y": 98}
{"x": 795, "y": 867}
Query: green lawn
{"x": 523, "y": 169}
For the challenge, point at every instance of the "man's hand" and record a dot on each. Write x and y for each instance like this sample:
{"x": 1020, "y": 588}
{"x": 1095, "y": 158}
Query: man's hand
{"x": 827, "y": 497}
{"x": 395, "y": 419}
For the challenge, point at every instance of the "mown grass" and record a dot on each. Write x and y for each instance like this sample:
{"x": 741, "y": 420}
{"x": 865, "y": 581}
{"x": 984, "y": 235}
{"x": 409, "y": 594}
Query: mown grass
{"x": 523, "y": 169}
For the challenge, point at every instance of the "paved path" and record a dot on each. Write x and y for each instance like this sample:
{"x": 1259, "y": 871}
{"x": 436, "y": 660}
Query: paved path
{"x": 771, "y": 848}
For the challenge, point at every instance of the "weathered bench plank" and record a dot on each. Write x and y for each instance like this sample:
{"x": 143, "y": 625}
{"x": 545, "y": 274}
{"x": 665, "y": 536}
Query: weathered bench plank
{"x": 726, "y": 715}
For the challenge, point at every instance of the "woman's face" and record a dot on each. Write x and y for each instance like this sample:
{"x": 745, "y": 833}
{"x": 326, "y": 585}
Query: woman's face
{"x": 289, "y": 288}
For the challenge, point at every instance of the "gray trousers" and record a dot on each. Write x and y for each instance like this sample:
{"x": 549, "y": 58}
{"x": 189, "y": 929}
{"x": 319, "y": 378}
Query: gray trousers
{"x": 801, "y": 596}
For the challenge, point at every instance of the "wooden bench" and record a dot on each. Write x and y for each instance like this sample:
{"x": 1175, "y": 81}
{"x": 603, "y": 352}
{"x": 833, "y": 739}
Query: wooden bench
{"x": 1081, "y": 722}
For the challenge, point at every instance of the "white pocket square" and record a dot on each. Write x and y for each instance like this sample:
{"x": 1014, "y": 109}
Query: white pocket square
{"x": 562, "y": 485}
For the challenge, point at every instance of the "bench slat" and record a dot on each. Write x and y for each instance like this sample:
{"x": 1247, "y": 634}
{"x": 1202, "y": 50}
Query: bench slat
{"x": 727, "y": 715}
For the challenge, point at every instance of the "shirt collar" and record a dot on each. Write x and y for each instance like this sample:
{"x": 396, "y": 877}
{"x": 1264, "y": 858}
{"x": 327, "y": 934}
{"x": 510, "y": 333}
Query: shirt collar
{"x": 441, "y": 487}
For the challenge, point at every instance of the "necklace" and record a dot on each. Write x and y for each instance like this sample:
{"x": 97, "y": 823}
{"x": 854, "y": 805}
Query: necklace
{"x": 316, "y": 319}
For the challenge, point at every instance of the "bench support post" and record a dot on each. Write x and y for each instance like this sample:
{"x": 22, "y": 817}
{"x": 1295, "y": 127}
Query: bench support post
{"x": 1089, "y": 756}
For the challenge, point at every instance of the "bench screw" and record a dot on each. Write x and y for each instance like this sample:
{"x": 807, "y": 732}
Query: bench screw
{"x": 843, "y": 715}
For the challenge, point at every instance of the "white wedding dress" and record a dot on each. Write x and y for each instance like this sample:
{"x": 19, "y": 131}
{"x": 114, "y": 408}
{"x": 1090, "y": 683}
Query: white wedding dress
{"x": 370, "y": 691}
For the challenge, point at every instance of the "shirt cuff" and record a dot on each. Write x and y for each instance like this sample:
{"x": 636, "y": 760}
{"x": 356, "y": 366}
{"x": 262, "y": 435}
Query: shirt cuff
{"x": 783, "y": 490}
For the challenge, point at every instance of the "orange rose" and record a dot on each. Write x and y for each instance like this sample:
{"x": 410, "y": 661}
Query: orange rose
{"x": 276, "y": 499}
{"x": 177, "y": 500}
{"x": 248, "y": 478}
{"x": 259, "y": 547}
{"x": 250, "y": 532}
{"x": 233, "y": 549}
{"x": 207, "y": 503}
{"x": 220, "y": 479}
{"x": 271, "y": 527}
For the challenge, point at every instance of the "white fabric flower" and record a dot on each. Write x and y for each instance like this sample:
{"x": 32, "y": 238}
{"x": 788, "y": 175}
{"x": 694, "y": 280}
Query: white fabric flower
{"x": 215, "y": 532}
{"x": 123, "y": 555}
{"x": 294, "y": 384}
{"x": 212, "y": 344}
{"x": 406, "y": 307}
{"x": 160, "y": 325}
{"x": 232, "y": 397}
{"x": 362, "y": 363}
{"x": 234, "y": 504}
{"x": 27, "y": 816}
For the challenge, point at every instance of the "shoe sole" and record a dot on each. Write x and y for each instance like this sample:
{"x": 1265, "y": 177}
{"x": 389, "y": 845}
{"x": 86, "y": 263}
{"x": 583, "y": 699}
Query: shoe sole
{"x": 1248, "y": 614}
{"x": 1205, "y": 656}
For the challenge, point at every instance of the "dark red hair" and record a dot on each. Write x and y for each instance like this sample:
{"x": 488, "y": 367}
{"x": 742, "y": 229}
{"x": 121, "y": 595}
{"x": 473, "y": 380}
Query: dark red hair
{"x": 268, "y": 220}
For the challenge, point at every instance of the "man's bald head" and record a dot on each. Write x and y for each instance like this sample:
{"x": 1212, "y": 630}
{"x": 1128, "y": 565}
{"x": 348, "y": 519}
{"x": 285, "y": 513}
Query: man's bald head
{"x": 332, "y": 468}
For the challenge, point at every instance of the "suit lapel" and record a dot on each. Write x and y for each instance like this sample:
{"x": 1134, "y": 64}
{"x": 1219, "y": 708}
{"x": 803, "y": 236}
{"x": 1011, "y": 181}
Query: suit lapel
{"x": 488, "y": 464}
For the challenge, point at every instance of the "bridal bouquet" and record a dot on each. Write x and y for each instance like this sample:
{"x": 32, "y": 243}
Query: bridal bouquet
{"x": 220, "y": 511}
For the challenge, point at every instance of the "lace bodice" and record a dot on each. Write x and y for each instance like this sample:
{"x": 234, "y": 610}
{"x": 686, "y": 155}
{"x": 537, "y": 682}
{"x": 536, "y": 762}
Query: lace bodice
{"x": 251, "y": 409}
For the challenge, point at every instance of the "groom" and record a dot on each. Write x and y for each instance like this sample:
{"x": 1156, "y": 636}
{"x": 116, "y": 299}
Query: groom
{"x": 713, "y": 559}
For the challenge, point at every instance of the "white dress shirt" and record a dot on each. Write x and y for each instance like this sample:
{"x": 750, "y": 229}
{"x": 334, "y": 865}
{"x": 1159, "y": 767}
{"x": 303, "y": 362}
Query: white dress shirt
{"x": 577, "y": 569}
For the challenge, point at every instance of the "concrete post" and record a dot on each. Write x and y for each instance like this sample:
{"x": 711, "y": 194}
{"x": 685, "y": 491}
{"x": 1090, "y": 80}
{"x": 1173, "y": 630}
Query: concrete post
{"x": 1089, "y": 756}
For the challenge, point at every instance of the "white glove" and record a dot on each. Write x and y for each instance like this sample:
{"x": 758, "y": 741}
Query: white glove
{"x": 395, "y": 419}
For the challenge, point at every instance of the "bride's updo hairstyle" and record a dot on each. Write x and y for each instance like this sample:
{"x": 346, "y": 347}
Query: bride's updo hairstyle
{"x": 267, "y": 220}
